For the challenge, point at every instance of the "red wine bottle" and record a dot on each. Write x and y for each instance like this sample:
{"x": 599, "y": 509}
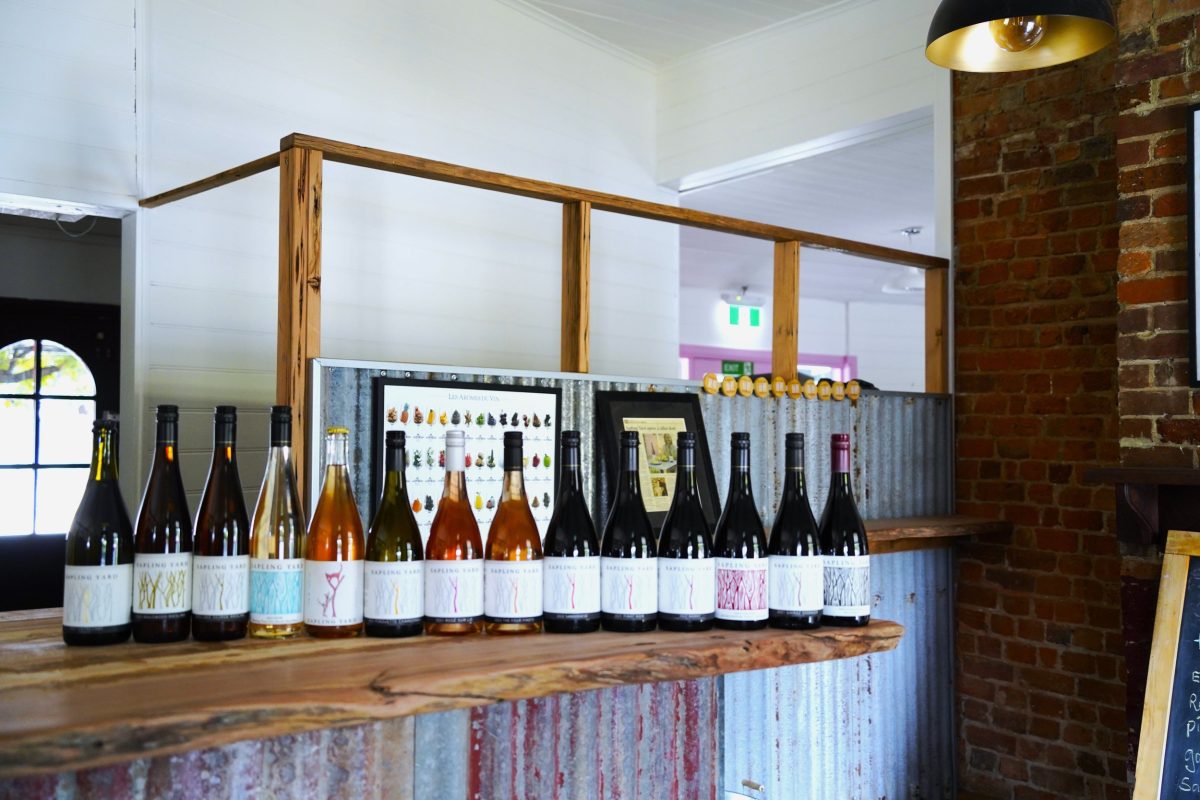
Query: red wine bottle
{"x": 844, "y": 547}
{"x": 795, "y": 580}
{"x": 570, "y": 553}
{"x": 221, "y": 546}
{"x": 741, "y": 548}
{"x": 162, "y": 544}
{"x": 98, "y": 584}
{"x": 687, "y": 573}
{"x": 628, "y": 554}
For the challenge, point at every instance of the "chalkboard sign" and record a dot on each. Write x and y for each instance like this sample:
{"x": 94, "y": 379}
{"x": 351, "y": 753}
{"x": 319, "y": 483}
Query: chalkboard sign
{"x": 1168, "y": 763}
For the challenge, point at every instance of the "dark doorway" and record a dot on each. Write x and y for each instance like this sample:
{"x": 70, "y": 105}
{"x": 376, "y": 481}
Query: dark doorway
{"x": 59, "y": 368}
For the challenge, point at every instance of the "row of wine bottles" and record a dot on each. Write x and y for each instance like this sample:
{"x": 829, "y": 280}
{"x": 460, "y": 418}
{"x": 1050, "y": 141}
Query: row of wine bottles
{"x": 223, "y": 578}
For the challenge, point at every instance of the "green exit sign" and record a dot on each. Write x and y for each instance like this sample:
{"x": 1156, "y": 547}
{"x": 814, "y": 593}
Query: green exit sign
{"x": 737, "y": 368}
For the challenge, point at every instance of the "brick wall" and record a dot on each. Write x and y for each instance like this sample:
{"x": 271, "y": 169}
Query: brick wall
{"x": 1041, "y": 690}
{"x": 1158, "y": 72}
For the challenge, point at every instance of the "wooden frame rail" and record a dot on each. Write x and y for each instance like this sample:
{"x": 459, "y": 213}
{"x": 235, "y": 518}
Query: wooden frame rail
{"x": 300, "y": 159}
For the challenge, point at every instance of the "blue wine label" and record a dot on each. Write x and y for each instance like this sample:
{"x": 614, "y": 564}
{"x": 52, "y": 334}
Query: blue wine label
{"x": 276, "y": 591}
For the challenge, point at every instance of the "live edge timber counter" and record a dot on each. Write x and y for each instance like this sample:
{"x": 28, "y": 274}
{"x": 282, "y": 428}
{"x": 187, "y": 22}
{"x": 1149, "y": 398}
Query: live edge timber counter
{"x": 71, "y": 708}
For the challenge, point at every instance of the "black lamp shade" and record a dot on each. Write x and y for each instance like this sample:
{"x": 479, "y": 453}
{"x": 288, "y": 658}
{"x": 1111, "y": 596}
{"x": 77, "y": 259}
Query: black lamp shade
{"x": 961, "y": 37}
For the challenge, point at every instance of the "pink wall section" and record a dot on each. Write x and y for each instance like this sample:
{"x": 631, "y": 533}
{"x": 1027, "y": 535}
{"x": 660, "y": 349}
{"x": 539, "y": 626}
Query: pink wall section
{"x": 703, "y": 359}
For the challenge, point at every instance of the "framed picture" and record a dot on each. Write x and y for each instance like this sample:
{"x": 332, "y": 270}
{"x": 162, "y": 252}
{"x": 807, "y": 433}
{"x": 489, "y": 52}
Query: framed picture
{"x": 657, "y": 417}
{"x": 425, "y": 410}
{"x": 1194, "y": 245}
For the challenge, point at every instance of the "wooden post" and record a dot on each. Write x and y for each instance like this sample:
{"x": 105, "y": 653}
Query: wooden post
{"x": 299, "y": 333}
{"x": 786, "y": 310}
{"x": 937, "y": 361}
{"x": 576, "y": 286}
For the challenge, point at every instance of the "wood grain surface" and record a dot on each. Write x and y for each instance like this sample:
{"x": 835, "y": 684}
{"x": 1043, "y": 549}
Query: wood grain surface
{"x": 924, "y": 533}
{"x": 71, "y": 708}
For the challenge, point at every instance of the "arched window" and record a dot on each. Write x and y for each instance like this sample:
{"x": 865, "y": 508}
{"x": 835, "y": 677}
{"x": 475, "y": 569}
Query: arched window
{"x": 47, "y": 404}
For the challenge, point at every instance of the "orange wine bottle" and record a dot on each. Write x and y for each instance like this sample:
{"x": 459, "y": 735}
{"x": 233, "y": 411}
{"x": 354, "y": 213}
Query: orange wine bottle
{"x": 512, "y": 570}
{"x": 333, "y": 553}
{"x": 454, "y": 553}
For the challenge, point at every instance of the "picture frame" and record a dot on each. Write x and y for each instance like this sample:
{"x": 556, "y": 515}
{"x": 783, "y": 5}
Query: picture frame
{"x": 657, "y": 416}
{"x": 1193, "y": 247}
{"x": 493, "y": 409}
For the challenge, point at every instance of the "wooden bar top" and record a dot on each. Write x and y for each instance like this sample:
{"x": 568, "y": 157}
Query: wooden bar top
{"x": 70, "y": 708}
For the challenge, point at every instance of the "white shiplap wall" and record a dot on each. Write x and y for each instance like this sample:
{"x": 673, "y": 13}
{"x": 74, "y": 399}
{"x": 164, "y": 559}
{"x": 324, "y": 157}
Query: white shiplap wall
{"x": 413, "y": 270}
{"x": 795, "y": 83}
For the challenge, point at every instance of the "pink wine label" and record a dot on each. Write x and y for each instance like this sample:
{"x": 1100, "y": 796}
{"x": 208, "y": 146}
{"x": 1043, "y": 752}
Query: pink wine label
{"x": 454, "y": 590}
{"x": 571, "y": 585}
{"x": 395, "y": 590}
{"x": 796, "y": 583}
{"x": 847, "y": 586}
{"x": 512, "y": 590}
{"x": 220, "y": 585}
{"x": 162, "y": 583}
{"x": 97, "y": 597}
{"x": 333, "y": 593}
{"x": 629, "y": 586}
{"x": 687, "y": 586}
{"x": 741, "y": 588}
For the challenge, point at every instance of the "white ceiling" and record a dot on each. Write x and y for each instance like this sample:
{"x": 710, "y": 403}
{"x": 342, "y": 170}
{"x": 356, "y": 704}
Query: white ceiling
{"x": 662, "y": 31}
{"x": 868, "y": 192}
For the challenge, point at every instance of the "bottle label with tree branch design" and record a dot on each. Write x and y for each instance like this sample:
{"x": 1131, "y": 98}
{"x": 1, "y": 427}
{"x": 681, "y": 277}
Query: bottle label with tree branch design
{"x": 162, "y": 583}
{"x": 220, "y": 585}
{"x": 571, "y": 585}
{"x": 333, "y": 593}
{"x": 97, "y": 597}
{"x": 276, "y": 591}
{"x": 687, "y": 586}
{"x": 512, "y": 590}
{"x": 395, "y": 590}
{"x": 796, "y": 583}
{"x": 847, "y": 586}
{"x": 741, "y": 588}
{"x": 454, "y": 590}
{"x": 629, "y": 586}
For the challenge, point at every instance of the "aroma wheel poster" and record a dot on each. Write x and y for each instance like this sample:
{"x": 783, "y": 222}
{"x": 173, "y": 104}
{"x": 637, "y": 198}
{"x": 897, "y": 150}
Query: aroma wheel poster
{"x": 425, "y": 410}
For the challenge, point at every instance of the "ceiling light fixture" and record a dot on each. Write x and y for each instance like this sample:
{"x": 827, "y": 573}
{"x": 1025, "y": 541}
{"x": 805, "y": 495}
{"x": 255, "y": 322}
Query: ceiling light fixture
{"x": 742, "y": 296}
{"x": 1011, "y": 35}
{"x": 912, "y": 281}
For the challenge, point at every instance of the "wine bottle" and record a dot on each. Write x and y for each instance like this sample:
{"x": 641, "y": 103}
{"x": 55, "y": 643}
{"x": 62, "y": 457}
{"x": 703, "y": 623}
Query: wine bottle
{"x": 395, "y": 592}
{"x": 162, "y": 546}
{"x": 571, "y": 553}
{"x": 687, "y": 576}
{"x": 741, "y": 548}
{"x": 98, "y": 585}
{"x": 628, "y": 553}
{"x": 277, "y": 541}
{"x": 333, "y": 551}
{"x": 844, "y": 546}
{"x": 454, "y": 553}
{"x": 221, "y": 542}
{"x": 795, "y": 580}
{"x": 512, "y": 567}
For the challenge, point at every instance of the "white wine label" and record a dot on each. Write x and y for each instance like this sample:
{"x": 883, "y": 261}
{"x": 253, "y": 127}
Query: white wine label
{"x": 162, "y": 583}
{"x": 796, "y": 583}
{"x": 276, "y": 591}
{"x": 687, "y": 586}
{"x": 454, "y": 590}
{"x": 395, "y": 590}
{"x": 847, "y": 586}
{"x": 629, "y": 586}
{"x": 571, "y": 585}
{"x": 97, "y": 597}
{"x": 741, "y": 588}
{"x": 220, "y": 585}
{"x": 512, "y": 590}
{"x": 333, "y": 593}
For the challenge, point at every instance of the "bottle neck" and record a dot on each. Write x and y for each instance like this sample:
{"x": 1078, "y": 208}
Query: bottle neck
{"x": 394, "y": 482}
{"x": 627, "y": 481}
{"x": 336, "y": 450}
{"x": 739, "y": 472}
{"x": 281, "y": 433}
{"x": 224, "y": 434}
{"x": 570, "y": 477}
{"x": 104, "y": 455}
{"x": 685, "y": 473}
{"x": 793, "y": 469}
{"x": 166, "y": 441}
{"x": 455, "y": 487}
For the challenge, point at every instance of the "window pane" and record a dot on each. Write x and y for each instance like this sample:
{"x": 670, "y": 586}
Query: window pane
{"x": 58, "y": 495}
{"x": 66, "y": 434}
{"x": 16, "y": 431}
{"x": 16, "y": 512}
{"x": 17, "y": 368}
{"x": 63, "y": 372}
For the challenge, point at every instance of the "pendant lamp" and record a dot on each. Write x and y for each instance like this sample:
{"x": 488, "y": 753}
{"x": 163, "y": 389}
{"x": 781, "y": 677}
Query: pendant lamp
{"x": 1010, "y": 35}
